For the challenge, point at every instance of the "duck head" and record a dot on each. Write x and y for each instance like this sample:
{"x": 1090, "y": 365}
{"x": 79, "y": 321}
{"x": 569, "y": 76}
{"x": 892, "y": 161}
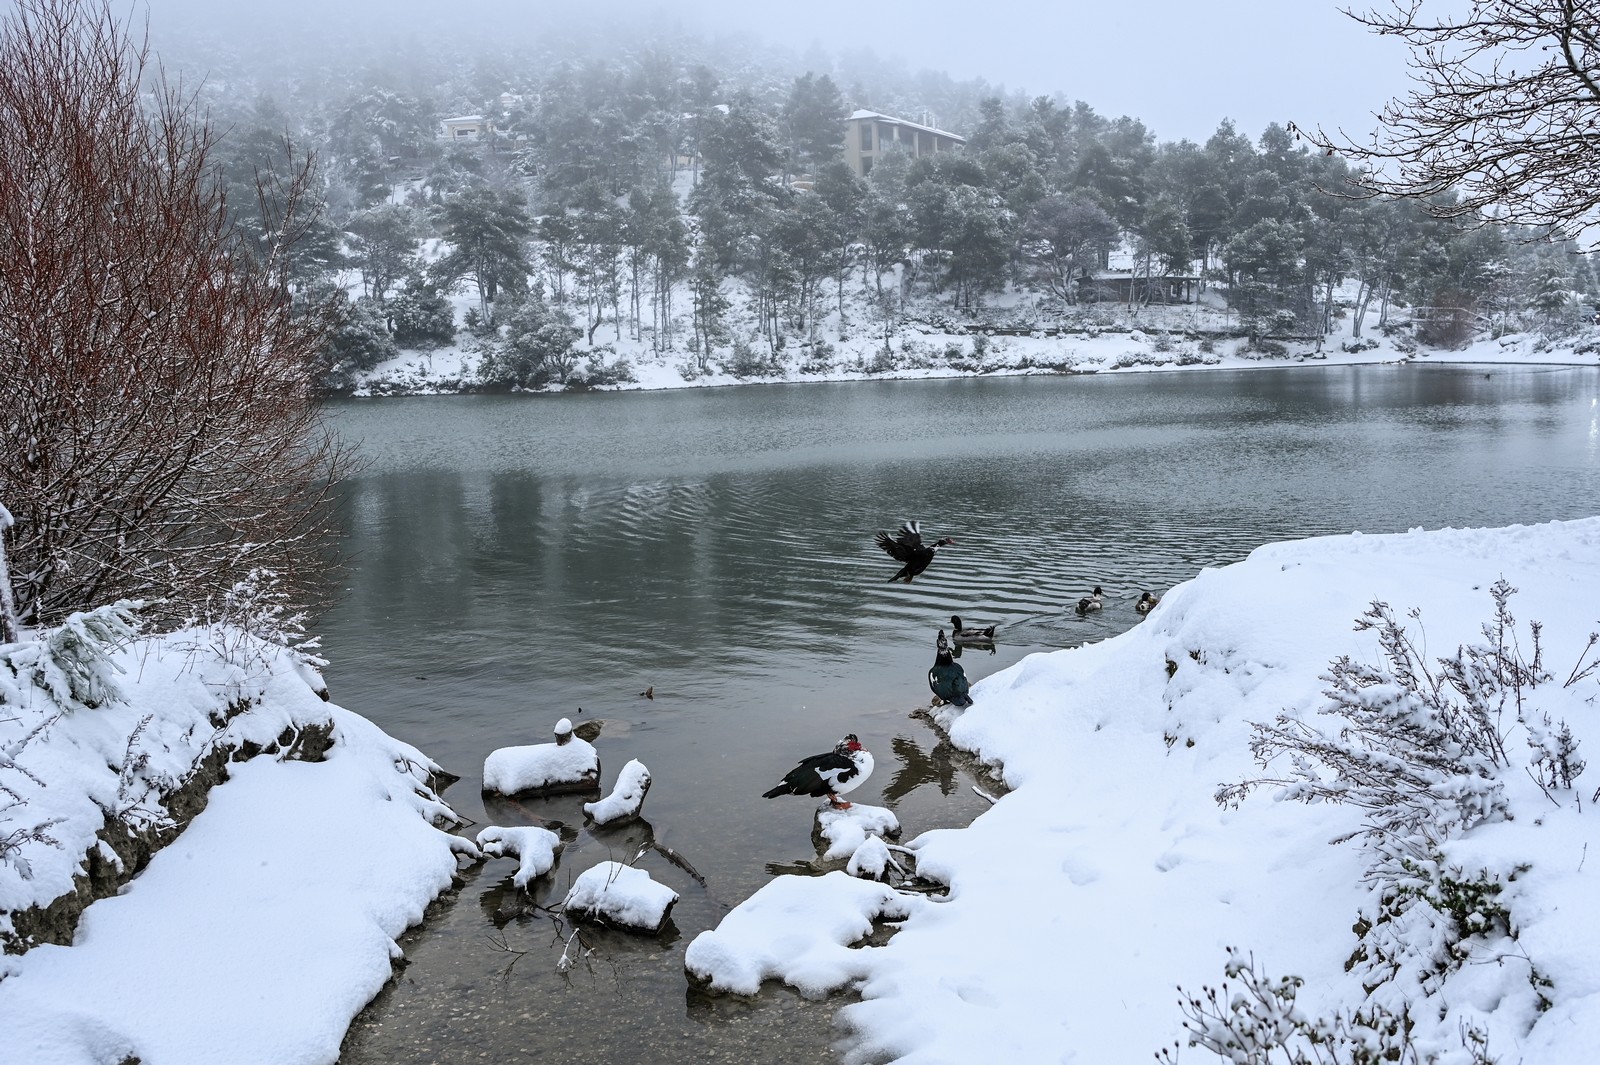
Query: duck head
{"x": 944, "y": 541}
{"x": 848, "y": 745}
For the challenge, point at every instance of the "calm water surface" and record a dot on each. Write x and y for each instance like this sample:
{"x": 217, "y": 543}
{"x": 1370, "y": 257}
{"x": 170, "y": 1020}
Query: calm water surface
{"x": 520, "y": 559}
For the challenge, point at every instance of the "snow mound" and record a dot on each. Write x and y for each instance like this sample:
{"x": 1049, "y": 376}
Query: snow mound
{"x": 620, "y": 895}
{"x": 626, "y": 799}
{"x": 845, "y": 830}
{"x": 569, "y": 764}
{"x": 871, "y": 860}
{"x": 535, "y": 847}
{"x": 797, "y": 929}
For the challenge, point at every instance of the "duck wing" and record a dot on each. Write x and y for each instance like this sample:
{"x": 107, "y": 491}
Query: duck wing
{"x": 904, "y": 545}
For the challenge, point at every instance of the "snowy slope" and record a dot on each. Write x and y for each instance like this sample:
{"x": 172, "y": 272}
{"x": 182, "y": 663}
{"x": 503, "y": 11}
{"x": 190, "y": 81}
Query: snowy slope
{"x": 1110, "y": 874}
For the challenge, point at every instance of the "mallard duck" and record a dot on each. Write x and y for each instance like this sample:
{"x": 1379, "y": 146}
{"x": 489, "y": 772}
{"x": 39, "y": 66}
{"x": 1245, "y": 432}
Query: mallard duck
{"x": 906, "y": 546}
{"x": 1146, "y": 603}
{"x": 1091, "y": 602}
{"x": 946, "y": 679}
{"x": 832, "y": 774}
{"x": 961, "y": 634}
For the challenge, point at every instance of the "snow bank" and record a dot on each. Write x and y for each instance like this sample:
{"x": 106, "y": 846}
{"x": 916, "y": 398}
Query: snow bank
{"x": 797, "y": 929}
{"x": 620, "y": 895}
{"x": 1110, "y": 874}
{"x": 626, "y": 799}
{"x": 260, "y": 931}
{"x": 535, "y": 848}
{"x": 569, "y": 764}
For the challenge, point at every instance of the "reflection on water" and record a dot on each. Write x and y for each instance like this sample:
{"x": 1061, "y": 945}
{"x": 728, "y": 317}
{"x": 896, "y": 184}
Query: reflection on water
{"x": 520, "y": 559}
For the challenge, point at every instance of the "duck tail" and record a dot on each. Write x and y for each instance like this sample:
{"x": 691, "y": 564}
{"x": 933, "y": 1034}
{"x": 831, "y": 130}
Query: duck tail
{"x": 781, "y": 789}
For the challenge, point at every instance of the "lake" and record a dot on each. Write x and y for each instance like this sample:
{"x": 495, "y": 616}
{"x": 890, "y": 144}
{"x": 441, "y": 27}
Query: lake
{"x": 519, "y": 559}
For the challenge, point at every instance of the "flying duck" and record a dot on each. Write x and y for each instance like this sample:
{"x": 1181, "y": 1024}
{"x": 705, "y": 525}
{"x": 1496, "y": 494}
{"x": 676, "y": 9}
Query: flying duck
{"x": 1091, "y": 602}
{"x": 962, "y": 634}
{"x": 946, "y": 679}
{"x": 906, "y": 546}
{"x": 832, "y": 774}
{"x": 1146, "y": 603}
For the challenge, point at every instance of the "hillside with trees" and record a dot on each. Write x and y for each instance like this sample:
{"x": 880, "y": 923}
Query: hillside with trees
{"x": 664, "y": 196}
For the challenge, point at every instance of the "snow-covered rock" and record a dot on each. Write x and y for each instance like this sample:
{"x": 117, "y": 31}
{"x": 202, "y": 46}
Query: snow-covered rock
{"x": 535, "y": 848}
{"x": 622, "y": 896}
{"x": 626, "y": 799}
{"x": 839, "y": 832}
{"x": 797, "y": 929}
{"x": 569, "y": 764}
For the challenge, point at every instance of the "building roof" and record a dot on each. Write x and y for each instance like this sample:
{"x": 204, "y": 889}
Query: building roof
{"x": 466, "y": 118}
{"x": 907, "y": 123}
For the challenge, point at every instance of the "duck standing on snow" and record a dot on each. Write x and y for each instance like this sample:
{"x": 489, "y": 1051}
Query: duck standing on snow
{"x": 960, "y": 633}
{"x": 1091, "y": 602}
{"x": 832, "y": 774}
{"x": 947, "y": 680}
{"x": 1146, "y": 603}
{"x": 906, "y": 546}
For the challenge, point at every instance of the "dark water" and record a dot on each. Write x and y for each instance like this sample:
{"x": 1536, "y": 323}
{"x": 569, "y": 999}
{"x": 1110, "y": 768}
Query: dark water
{"x": 520, "y": 558}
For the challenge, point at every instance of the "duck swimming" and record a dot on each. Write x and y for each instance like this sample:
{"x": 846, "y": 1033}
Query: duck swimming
{"x": 962, "y": 634}
{"x": 1091, "y": 602}
{"x": 1146, "y": 603}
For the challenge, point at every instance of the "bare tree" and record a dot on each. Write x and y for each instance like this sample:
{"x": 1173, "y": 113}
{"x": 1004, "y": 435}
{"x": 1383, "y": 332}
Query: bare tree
{"x": 1505, "y": 114}
{"x": 158, "y": 433}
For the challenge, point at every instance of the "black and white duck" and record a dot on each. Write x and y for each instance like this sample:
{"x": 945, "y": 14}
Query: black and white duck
{"x": 1091, "y": 602}
{"x": 960, "y": 633}
{"x": 906, "y": 546}
{"x": 1146, "y": 603}
{"x": 833, "y": 773}
{"x": 946, "y": 679}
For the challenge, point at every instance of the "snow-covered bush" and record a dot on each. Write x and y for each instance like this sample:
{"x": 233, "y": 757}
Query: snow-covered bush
{"x": 1421, "y": 748}
{"x": 73, "y": 662}
{"x": 423, "y": 318}
{"x": 1255, "y": 1020}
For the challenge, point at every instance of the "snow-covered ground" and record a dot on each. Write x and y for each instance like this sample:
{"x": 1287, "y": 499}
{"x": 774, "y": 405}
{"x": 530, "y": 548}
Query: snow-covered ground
{"x": 259, "y": 932}
{"x": 1111, "y": 875}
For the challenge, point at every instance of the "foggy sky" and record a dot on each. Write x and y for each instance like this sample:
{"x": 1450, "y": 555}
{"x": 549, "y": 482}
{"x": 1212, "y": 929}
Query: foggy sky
{"x": 1180, "y": 66}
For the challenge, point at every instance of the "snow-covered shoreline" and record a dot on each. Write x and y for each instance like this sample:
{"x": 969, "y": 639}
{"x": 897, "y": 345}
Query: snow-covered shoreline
{"x": 935, "y": 355}
{"x": 1108, "y": 876}
{"x": 1111, "y": 875}
{"x": 260, "y": 931}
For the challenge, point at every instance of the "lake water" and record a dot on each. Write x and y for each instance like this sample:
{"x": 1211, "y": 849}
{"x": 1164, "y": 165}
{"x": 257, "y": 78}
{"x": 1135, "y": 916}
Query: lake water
{"x": 521, "y": 559}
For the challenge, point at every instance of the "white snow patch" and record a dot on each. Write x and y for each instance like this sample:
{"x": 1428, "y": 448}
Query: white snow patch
{"x": 621, "y": 895}
{"x": 513, "y": 770}
{"x": 626, "y": 799}
{"x": 797, "y": 929}
{"x": 534, "y": 846}
{"x": 845, "y": 830}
